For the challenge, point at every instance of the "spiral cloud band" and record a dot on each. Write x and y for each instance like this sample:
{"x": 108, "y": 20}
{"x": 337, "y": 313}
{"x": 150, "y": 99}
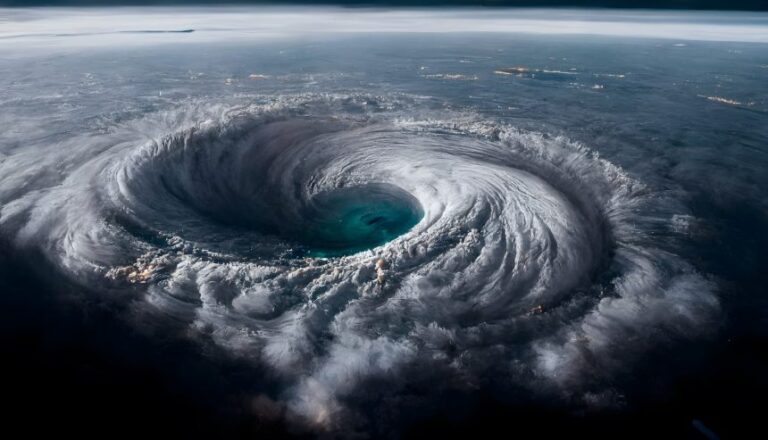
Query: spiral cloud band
{"x": 341, "y": 241}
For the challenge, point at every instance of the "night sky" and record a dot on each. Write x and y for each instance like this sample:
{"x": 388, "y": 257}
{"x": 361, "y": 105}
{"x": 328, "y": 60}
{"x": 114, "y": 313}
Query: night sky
{"x": 752, "y": 5}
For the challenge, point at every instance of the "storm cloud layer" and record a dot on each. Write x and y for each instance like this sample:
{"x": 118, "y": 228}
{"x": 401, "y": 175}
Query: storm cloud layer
{"x": 534, "y": 261}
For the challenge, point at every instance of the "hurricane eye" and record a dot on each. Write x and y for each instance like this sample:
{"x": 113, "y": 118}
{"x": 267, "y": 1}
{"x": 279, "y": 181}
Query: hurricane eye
{"x": 349, "y": 220}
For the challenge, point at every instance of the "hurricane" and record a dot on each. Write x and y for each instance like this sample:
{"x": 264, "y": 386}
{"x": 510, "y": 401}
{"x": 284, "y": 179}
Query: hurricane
{"x": 350, "y": 242}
